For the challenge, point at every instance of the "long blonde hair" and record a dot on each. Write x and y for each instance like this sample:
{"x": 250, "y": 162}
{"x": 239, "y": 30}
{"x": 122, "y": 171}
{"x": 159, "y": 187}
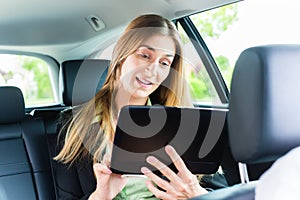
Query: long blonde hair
{"x": 85, "y": 138}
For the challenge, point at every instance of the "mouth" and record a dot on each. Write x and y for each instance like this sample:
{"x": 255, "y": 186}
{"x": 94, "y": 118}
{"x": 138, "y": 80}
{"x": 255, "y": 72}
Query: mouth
{"x": 143, "y": 82}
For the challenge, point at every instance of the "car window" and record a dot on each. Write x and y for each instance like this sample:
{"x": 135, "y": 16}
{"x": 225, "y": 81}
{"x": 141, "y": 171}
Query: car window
{"x": 230, "y": 29}
{"x": 31, "y": 75}
{"x": 202, "y": 90}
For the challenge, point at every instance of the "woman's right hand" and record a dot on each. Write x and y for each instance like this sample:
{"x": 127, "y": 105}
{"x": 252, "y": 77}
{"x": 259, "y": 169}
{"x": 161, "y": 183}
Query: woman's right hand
{"x": 108, "y": 183}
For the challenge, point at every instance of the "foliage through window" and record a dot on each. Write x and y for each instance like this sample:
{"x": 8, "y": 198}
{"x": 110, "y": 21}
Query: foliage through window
{"x": 201, "y": 88}
{"x": 30, "y": 74}
{"x": 230, "y": 29}
{"x": 211, "y": 25}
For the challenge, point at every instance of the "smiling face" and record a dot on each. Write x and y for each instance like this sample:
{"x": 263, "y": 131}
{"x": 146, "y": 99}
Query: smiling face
{"x": 143, "y": 71}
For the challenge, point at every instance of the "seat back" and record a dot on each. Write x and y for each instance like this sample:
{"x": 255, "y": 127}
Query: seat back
{"x": 42, "y": 149}
{"x": 263, "y": 112}
{"x": 36, "y": 143}
{"x": 15, "y": 169}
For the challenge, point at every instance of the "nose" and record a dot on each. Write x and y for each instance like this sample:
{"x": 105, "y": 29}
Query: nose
{"x": 151, "y": 69}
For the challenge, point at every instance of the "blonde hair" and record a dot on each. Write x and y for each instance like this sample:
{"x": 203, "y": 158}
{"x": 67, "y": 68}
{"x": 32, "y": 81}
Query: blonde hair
{"x": 85, "y": 138}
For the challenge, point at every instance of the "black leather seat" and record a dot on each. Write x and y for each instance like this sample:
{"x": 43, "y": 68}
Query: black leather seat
{"x": 16, "y": 179}
{"x": 263, "y": 118}
{"x": 36, "y": 143}
{"x": 81, "y": 79}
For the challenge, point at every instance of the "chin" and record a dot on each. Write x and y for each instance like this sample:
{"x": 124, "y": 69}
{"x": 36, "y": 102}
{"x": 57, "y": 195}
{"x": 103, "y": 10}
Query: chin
{"x": 140, "y": 94}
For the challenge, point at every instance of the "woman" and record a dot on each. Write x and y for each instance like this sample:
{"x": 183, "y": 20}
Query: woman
{"x": 146, "y": 68}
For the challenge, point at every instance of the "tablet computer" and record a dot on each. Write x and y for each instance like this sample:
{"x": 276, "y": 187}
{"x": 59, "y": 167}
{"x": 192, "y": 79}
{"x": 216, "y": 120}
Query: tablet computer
{"x": 197, "y": 134}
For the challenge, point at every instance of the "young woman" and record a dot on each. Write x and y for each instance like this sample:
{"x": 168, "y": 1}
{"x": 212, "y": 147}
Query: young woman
{"x": 146, "y": 68}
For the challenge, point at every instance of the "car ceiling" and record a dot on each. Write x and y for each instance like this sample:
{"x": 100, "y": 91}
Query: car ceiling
{"x": 59, "y": 28}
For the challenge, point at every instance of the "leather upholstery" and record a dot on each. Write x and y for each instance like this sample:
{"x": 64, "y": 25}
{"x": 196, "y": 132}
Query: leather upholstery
{"x": 82, "y": 79}
{"x": 236, "y": 192}
{"x": 264, "y": 104}
{"x": 12, "y": 107}
{"x": 263, "y": 119}
{"x": 15, "y": 170}
{"x": 25, "y": 171}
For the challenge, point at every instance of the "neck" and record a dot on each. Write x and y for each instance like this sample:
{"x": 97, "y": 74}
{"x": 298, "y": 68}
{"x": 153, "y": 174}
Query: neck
{"x": 123, "y": 98}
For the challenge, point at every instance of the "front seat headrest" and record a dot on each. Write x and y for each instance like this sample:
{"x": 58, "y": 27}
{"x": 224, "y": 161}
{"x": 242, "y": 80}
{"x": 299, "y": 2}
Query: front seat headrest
{"x": 12, "y": 107}
{"x": 82, "y": 79}
{"x": 264, "y": 106}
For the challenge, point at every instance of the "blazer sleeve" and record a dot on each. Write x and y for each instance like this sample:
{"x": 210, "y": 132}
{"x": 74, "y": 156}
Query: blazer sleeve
{"x": 74, "y": 181}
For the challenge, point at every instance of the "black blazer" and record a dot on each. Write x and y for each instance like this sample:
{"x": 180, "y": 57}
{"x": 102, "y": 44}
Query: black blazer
{"x": 76, "y": 181}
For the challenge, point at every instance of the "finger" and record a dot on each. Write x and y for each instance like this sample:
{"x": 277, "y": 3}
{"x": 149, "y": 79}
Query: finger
{"x": 106, "y": 159}
{"x": 183, "y": 172}
{"x": 108, "y": 184}
{"x": 158, "y": 193}
{"x": 165, "y": 170}
{"x": 176, "y": 186}
{"x": 177, "y": 191}
{"x": 102, "y": 173}
{"x": 157, "y": 180}
{"x": 178, "y": 162}
{"x": 100, "y": 168}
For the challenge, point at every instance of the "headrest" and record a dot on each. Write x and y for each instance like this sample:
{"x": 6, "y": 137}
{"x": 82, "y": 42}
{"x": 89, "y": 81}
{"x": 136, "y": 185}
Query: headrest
{"x": 82, "y": 79}
{"x": 264, "y": 105}
{"x": 12, "y": 107}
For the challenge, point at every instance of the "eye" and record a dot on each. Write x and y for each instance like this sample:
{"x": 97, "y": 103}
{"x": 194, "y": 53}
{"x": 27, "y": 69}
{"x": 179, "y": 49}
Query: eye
{"x": 144, "y": 55}
{"x": 165, "y": 63}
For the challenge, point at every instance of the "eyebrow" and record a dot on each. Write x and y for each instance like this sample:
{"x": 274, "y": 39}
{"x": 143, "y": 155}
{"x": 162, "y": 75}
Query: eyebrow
{"x": 153, "y": 49}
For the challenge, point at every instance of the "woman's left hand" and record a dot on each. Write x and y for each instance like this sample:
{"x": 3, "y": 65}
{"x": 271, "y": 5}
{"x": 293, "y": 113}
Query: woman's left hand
{"x": 182, "y": 185}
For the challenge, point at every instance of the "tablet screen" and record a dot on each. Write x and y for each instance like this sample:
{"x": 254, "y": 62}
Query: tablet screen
{"x": 197, "y": 134}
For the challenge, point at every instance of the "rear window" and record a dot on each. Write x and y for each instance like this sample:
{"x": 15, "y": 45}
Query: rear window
{"x": 31, "y": 75}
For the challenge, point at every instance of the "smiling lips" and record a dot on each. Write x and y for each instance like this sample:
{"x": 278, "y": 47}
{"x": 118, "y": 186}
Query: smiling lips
{"x": 144, "y": 83}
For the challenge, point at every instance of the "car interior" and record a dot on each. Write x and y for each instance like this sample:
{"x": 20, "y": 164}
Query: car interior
{"x": 68, "y": 47}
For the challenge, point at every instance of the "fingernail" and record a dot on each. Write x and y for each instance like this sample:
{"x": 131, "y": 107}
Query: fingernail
{"x": 169, "y": 148}
{"x": 107, "y": 170}
{"x": 145, "y": 170}
{"x": 150, "y": 159}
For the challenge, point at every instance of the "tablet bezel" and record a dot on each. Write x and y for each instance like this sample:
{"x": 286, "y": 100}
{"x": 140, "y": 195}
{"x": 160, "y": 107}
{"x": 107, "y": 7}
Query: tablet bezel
{"x": 127, "y": 157}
